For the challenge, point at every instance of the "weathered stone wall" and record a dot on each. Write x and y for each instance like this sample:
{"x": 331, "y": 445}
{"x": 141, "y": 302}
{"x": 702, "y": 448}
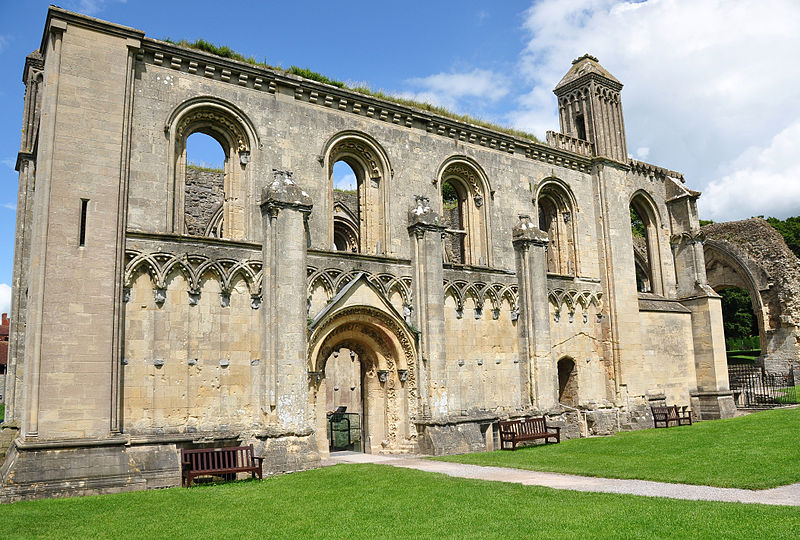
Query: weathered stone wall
{"x": 205, "y": 193}
{"x": 191, "y": 368}
{"x": 752, "y": 255}
{"x": 109, "y": 359}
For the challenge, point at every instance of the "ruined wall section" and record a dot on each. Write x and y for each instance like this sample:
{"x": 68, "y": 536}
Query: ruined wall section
{"x": 667, "y": 367}
{"x": 294, "y": 127}
{"x": 772, "y": 268}
{"x": 190, "y": 368}
{"x": 205, "y": 193}
{"x": 576, "y": 333}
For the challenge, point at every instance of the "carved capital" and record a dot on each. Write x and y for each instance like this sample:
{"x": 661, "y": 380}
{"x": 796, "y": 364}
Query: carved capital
{"x": 525, "y": 234}
{"x": 284, "y": 193}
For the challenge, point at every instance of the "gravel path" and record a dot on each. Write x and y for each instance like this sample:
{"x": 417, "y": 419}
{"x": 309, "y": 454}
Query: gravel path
{"x": 784, "y": 495}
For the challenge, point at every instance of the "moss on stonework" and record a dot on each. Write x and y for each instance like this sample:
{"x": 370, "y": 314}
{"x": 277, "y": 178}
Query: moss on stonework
{"x": 226, "y": 52}
{"x": 205, "y": 169}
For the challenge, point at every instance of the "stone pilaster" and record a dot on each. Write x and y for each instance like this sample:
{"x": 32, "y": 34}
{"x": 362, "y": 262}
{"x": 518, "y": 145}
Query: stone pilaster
{"x": 285, "y": 207}
{"x": 425, "y": 229}
{"x": 713, "y": 398}
{"x": 537, "y": 372}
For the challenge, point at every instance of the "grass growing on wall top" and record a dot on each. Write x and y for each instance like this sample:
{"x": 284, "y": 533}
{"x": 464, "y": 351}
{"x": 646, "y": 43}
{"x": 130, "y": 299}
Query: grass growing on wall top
{"x": 204, "y": 168}
{"x": 226, "y": 52}
{"x": 756, "y": 451}
{"x": 374, "y": 501}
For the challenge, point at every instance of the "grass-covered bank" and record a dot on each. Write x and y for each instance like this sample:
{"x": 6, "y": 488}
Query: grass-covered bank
{"x": 756, "y": 451}
{"x": 373, "y": 501}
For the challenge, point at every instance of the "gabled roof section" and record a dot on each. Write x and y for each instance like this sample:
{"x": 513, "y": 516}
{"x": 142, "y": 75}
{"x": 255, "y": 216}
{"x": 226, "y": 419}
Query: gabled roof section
{"x": 586, "y": 66}
{"x": 359, "y": 292}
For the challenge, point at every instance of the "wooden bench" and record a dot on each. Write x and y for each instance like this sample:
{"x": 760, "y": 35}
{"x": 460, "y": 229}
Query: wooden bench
{"x": 667, "y": 415}
{"x": 219, "y": 461}
{"x": 527, "y": 429}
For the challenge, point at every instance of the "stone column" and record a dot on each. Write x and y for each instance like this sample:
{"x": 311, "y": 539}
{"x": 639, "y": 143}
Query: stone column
{"x": 285, "y": 207}
{"x": 538, "y": 375}
{"x": 713, "y": 398}
{"x": 425, "y": 229}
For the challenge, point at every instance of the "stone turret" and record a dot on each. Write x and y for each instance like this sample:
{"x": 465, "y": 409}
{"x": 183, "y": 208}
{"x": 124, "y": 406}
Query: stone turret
{"x": 590, "y": 108}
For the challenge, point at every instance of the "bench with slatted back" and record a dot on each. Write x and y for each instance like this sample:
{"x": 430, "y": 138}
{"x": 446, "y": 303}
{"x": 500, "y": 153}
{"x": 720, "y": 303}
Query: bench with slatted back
{"x": 671, "y": 414}
{"x": 219, "y": 461}
{"x": 527, "y": 429}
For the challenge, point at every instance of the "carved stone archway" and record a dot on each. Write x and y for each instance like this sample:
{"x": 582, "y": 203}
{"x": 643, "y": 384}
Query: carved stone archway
{"x": 386, "y": 353}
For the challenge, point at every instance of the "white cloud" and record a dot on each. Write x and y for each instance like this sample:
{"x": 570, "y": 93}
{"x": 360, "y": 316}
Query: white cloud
{"x": 10, "y": 206}
{"x": 451, "y": 90}
{"x": 90, "y": 7}
{"x": 5, "y": 298}
{"x": 704, "y": 79}
{"x": 3, "y": 42}
{"x": 9, "y": 162}
{"x": 762, "y": 181}
{"x": 642, "y": 152}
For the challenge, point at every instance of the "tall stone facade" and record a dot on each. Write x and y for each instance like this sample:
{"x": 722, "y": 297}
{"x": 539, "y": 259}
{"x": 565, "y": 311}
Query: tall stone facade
{"x": 148, "y": 317}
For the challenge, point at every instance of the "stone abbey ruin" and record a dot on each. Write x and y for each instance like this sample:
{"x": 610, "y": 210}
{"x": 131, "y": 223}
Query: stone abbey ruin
{"x": 472, "y": 276}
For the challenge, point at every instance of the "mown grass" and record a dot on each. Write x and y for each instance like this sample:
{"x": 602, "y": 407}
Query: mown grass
{"x": 790, "y": 395}
{"x": 373, "y": 501}
{"x": 226, "y": 52}
{"x": 757, "y": 451}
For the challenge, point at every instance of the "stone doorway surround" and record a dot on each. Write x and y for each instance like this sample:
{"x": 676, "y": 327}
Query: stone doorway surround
{"x": 361, "y": 320}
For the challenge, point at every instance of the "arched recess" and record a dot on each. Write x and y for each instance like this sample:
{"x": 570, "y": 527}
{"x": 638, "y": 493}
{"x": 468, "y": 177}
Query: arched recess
{"x": 385, "y": 349}
{"x": 642, "y": 205}
{"x": 556, "y": 209}
{"x": 567, "y": 382}
{"x": 725, "y": 269}
{"x": 237, "y": 136}
{"x": 373, "y": 173}
{"x": 468, "y": 221}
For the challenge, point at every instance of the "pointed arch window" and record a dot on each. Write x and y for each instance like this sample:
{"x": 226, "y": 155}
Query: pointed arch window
{"x": 556, "y": 211}
{"x": 646, "y": 245}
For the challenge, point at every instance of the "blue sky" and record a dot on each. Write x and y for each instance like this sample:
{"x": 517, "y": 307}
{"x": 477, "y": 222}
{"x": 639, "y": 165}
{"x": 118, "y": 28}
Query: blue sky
{"x": 709, "y": 86}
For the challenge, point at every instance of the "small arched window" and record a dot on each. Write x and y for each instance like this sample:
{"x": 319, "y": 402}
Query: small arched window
{"x": 462, "y": 192}
{"x": 557, "y": 218}
{"x": 646, "y": 249}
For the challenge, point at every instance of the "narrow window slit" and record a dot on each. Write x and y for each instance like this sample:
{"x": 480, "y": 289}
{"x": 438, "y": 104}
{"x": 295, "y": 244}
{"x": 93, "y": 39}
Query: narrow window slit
{"x": 84, "y": 208}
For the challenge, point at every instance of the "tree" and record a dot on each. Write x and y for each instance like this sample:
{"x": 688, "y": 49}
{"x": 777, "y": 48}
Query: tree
{"x": 790, "y": 230}
{"x": 738, "y": 318}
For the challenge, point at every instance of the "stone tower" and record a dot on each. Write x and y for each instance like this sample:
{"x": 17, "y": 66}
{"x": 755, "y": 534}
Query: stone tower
{"x": 590, "y": 108}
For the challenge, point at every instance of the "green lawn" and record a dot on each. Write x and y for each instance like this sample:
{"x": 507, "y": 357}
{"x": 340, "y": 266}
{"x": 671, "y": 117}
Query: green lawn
{"x": 373, "y": 501}
{"x": 756, "y": 451}
{"x": 790, "y": 395}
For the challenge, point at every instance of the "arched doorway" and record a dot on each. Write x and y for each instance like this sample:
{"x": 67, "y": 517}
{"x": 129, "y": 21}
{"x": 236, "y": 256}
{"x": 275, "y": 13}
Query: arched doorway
{"x": 363, "y": 359}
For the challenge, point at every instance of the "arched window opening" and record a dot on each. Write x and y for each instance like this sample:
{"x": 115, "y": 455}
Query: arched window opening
{"x": 204, "y": 186}
{"x": 462, "y": 193}
{"x": 453, "y": 198}
{"x": 580, "y": 123}
{"x": 346, "y": 211}
{"x": 556, "y": 218}
{"x": 358, "y": 172}
{"x": 211, "y": 145}
{"x": 567, "y": 382}
{"x": 644, "y": 232}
